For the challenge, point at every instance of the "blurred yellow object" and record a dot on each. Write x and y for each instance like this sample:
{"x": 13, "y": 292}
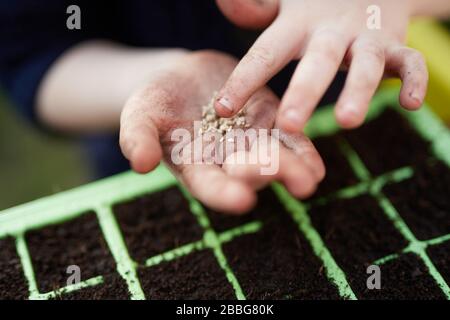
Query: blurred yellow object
{"x": 433, "y": 40}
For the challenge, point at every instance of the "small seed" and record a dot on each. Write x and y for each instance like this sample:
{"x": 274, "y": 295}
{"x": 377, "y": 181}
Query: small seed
{"x": 211, "y": 122}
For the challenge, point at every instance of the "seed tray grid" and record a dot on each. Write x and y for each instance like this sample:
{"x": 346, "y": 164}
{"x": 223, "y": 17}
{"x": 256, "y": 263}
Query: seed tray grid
{"x": 371, "y": 187}
{"x": 101, "y": 196}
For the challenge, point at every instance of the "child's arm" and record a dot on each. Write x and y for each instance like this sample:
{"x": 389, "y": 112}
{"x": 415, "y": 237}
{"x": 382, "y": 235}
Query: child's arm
{"x": 86, "y": 88}
{"x": 328, "y": 35}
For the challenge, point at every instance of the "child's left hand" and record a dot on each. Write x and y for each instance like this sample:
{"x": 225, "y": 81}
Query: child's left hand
{"x": 325, "y": 34}
{"x": 173, "y": 99}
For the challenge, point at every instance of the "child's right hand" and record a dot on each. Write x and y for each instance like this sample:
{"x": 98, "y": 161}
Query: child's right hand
{"x": 325, "y": 35}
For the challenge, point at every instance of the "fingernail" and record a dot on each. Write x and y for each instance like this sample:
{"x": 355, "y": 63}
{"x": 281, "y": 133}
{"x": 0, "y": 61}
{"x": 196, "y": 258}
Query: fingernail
{"x": 226, "y": 103}
{"x": 293, "y": 117}
{"x": 415, "y": 96}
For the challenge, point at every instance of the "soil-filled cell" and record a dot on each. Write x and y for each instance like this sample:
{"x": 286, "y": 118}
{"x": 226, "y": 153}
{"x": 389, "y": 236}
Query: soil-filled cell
{"x": 339, "y": 173}
{"x": 278, "y": 263}
{"x": 77, "y": 242}
{"x": 440, "y": 256}
{"x": 387, "y": 143}
{"x": 112, "y": 288}
{"x": 267, "y": 205}
{"x": 405, "y": 278}
{"x": 155, "y": 223}
{"x": 357, "y": 233}
{"x": 424, "y": 200}
{"x": 195, "y": 276}
{"x": 13, "y": 285}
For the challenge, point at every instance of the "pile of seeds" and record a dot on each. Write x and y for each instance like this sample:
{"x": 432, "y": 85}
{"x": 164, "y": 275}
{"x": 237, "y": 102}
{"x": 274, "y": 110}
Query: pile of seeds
{"x": 211, "y": 122}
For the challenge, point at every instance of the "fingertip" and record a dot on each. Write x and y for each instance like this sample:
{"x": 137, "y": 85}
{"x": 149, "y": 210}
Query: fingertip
{"x": 290, "y": 120}
{"x": 410, "y": 104}
{"x": 240, "y": 198}
{"x": 249, "y": 14}
{"x": 223, "y": 107}
{"x": 322, "y": 173}
{"x": 411, "y": 100}
{"x": 299, "y": 180}
{"x": 144, "y": 160}
{"x": 411, "y": 66}
{"x": 127, "y": 147}
{"x": 315, "y": 162}
{"x": 305, "y": 189}
{"x": 349, "y": 116}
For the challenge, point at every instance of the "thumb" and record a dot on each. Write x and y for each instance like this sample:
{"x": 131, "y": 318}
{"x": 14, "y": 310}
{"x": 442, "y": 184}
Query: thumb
{"x": 249, "y": 14}
{"x": 139, "y": 139}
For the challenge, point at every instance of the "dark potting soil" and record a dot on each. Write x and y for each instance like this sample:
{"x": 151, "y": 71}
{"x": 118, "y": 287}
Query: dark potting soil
{"x": 13, "y": 285}
{"x": 278, "y": 263}
{"x": 387, "y": 143}
{"x": 267, "y": 205}
{"x": 112, "y": 288}
{"x": 424, "y": 200}
{"x": 405, "y": 278}
{"x": 155, "y": 223}
{"x": 339, "y": 173}
{"x": 357, "y": 233}
{"x": 439, "y": 254}
{"x": 197, "y": 276}
{"x": 76, "y": 242}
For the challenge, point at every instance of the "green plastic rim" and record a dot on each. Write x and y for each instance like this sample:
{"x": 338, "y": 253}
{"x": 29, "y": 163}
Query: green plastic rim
{"x": 102, "y": 195}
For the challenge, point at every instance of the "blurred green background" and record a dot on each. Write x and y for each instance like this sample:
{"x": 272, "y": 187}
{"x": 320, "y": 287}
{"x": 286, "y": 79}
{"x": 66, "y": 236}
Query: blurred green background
{"x": 33, "y": 163}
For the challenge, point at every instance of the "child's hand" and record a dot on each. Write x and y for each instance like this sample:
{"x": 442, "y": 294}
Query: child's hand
{"x": 327, "y": 34}
{"x": 174, "y": 100}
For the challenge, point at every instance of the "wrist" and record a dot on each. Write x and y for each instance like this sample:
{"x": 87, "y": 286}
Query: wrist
{"x": 150, "y": 64}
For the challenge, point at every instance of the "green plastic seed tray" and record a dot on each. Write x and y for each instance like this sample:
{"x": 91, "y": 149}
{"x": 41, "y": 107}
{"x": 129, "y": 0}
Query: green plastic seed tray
{"x": 384, "y": 203}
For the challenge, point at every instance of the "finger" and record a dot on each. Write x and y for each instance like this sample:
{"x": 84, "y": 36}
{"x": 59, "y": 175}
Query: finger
{"x": 258, "y": 164}
{"x": 311, "y": 78}
{"x": 296, "y": 175}
{"x": 261, "y": 108}
{"x": 302, "y": 147}
{"x": 252, "y": 14}
{"x": 289, "y": 169}
{"x": 410, "y": 66}
{"x": 237, "y": 165}
{"x": 139, "y": 139}
{"x": 271, "y": 52}
{"x": 210, "y": 184}
{"x": 365, "y": 73}
{"x": 260, "y": 112}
